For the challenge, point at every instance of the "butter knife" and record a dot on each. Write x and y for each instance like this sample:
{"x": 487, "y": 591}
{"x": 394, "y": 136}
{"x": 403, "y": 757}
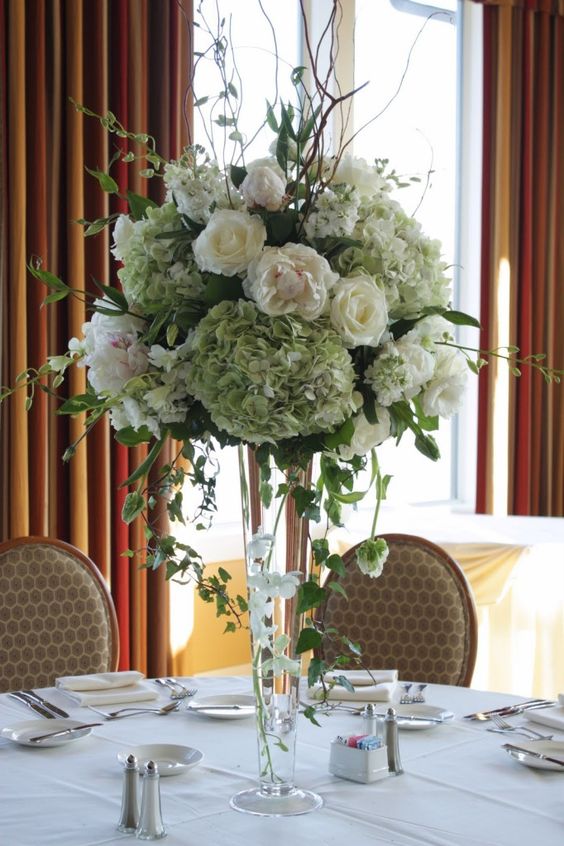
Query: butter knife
{"x": 249, "y": 708}
{"x": 517, "y": 708}
{"x": 54, "y": 708}
{"x": 35, "y": 706}
{"x": 39, "y": 737}
{"x": 541, "y": 755}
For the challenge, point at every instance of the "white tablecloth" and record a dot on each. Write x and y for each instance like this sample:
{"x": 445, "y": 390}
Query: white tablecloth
{"x": 459, "y": 788}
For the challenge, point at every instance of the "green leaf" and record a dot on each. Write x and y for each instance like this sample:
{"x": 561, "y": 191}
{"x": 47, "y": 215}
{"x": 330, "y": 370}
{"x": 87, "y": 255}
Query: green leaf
{"x": 315, "y": 671}
{"x": 232, "y": 90}
{"x": 354, "y": 647}
{"x": 270, "y": 118}
{"x": 297, "y": 74}
{"x": 428, "y": 447}
{"x": 343, "y": 435}
{"x": 310, "y": 595}
{"x": 287, "y": 123}
{"x": 336, "y": 564}
{"x": 48, "y": 279}
{"x": 338, "y": 588}
{"x": 107, "y": 183}
{"x": 282, "y": 150}
{"x": 55, "y": 297}
{"x": 116, "y": 297}
{"x": 80, "y": 403}
{"x": 237, "y": 175}
{"x": 230, "y": 628}
{"x": 308, "y": 639}
{"x": 223, "y": 574}
{"x": 310, "y": 714}
{"x": 460, "y": 318}
{"x": 132, "y": 507}
{"x": 200, "y": 102}
{"x": 307, "y": 128}
{"x": 280, "y": 227}
{"x": 220, "y": 288}
{"x": 146, "y": 465}
{"x": 130, "y": 437}
{"x": 320, "y": 549}
{"x": 138, "y": 205}
{"x": 342, "y": 681}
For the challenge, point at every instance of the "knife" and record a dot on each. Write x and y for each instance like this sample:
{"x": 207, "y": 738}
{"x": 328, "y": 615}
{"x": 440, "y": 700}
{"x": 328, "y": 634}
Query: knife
{"x": 38, "y": 738}
{"x": 221, "y": 708}
{"x": 540, "y": 755}
{"x": 517, "y": 708}
{"x": 54, "y": 708}
{"x": 35, "y": 706}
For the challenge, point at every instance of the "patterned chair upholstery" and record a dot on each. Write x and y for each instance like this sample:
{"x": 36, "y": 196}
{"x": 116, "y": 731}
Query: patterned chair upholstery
{"x": 56, "y": 614}
{"x": 419, "y": 616}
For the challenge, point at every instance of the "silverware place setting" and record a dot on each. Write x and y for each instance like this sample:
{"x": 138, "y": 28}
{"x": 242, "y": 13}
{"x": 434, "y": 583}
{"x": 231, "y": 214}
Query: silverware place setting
{"x": 502, "y": 727}
{"x": 120, "y": 713}
{"x": 176, "y": 688}
{"x": 510, "y": 710}
{"x": 38, "y": 704}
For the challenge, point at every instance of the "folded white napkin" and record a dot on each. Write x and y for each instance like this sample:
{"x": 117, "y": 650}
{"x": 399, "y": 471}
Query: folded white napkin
{"x": 378, "y": 686}
{"x": 553, "y": 717}
{"x": 107, "y": 688}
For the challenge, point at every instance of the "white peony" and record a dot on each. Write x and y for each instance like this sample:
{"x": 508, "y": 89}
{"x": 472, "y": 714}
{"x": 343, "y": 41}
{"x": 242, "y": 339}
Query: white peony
{"x": 367, "y": 435}
{"x": 263, "y": 187}
{"x": 111, "y": 350}
{"x": 123, "y": 230}
{"x": 444, "y": 393}
{"x": 356, "y": 171}
{"x": 230, "y": 241}
{"x": 290, "y": 279}
{"x": 359, "y": 312}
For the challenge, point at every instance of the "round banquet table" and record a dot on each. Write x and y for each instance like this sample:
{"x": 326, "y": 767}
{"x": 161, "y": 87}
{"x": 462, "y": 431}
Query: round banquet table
{"x": 459, "y": 787}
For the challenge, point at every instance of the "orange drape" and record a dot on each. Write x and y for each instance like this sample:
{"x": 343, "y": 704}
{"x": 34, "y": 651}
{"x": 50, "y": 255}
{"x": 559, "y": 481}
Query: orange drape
{"x": 130, "y": 56}
{"x": 522, "y": 226}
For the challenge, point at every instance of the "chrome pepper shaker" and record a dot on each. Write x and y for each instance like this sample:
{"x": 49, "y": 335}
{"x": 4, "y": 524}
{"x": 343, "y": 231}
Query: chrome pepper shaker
{"x": 151, "y": 825}
{"x": 392, "y": 742}
{"x": 129, "y": 817}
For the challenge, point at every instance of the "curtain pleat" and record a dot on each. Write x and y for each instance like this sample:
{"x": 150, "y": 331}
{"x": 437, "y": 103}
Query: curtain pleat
{"x": 522, "y": 220}
{"x": 132, "y": 57}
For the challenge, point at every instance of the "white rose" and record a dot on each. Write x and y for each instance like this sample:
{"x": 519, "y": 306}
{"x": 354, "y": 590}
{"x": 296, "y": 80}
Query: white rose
{"x": 443, "y": 395}
{"x": 123, "y": 230}
{"x": 359, "y": 312}
{"x": 230, "y": 241}
{"x": 356, "y": 171}
{"x": 290, "y": 279}
{"x": 367, "y": 435}
{"x": 263, "y": 187}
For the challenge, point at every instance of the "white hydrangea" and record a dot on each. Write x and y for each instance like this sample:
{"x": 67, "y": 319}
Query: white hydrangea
{"x": 334, "y": 214}
{"x": 153, "y": 274}
{"x": 293, "y": 279}
{"x": 444, "y": 393}
{"x": 399, "y": 371}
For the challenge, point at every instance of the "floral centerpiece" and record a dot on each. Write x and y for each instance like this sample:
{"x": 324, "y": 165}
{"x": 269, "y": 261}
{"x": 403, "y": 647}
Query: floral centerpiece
{"x": 288, "y": 305}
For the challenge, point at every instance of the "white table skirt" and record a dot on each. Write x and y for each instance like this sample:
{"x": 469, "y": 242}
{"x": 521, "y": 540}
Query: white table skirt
{"x": 459, "y": 788}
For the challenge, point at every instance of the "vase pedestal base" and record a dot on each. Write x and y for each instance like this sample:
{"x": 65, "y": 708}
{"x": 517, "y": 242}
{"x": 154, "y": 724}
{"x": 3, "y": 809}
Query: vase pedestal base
{"x": 290, "y": 804}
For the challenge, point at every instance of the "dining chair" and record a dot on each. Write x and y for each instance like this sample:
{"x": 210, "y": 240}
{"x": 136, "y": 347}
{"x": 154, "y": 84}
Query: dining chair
{"x": 418, "y": 616}
{"x": 57, "y": 616}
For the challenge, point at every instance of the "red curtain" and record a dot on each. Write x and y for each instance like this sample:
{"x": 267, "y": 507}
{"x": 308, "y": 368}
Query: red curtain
{"x": 522, "y": 225}
{"x": 131, "y": 57}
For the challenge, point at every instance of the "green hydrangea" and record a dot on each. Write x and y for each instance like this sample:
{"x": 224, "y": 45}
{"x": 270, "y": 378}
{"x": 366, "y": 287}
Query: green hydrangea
{"x": 267, "y": 378}
{"x": 158, "y": 272}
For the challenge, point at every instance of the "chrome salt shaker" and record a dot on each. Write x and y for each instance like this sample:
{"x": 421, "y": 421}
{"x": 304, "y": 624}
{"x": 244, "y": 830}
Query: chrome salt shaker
{"x": 129, "y": 817}
{"x": 391, "y": 736}
{"x": 370, "y": 720}
{"x": 151, "y": 825}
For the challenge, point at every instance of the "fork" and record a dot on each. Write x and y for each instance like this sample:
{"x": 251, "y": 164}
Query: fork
{"x": 503, "y": 726}
{"x": 419, "y": 694}
{"x": 178, "y": 690}
{"x": 406, "y": 699}
{"x": 130, "y": 712}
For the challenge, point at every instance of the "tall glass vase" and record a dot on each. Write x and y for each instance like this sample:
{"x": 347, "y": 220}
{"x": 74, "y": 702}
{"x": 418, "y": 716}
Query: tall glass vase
{"x": 277, "y": 562}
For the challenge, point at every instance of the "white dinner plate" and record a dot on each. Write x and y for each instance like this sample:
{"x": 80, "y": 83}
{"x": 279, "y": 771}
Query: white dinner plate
{"x": 21, "y": 732}
{"x": 419, "y": 712}
{"x": 229, "y": 706}
{"x": 553, "y": 748}
{"x": 170, "y": 759}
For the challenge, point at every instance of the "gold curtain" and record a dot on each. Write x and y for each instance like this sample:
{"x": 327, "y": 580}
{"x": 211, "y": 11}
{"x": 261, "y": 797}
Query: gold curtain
{"x": 132, "y": 57}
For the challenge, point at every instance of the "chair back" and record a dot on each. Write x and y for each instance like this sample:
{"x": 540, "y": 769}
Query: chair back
{"x": 56, "y": 614}
{"x": 419, "y": 616}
